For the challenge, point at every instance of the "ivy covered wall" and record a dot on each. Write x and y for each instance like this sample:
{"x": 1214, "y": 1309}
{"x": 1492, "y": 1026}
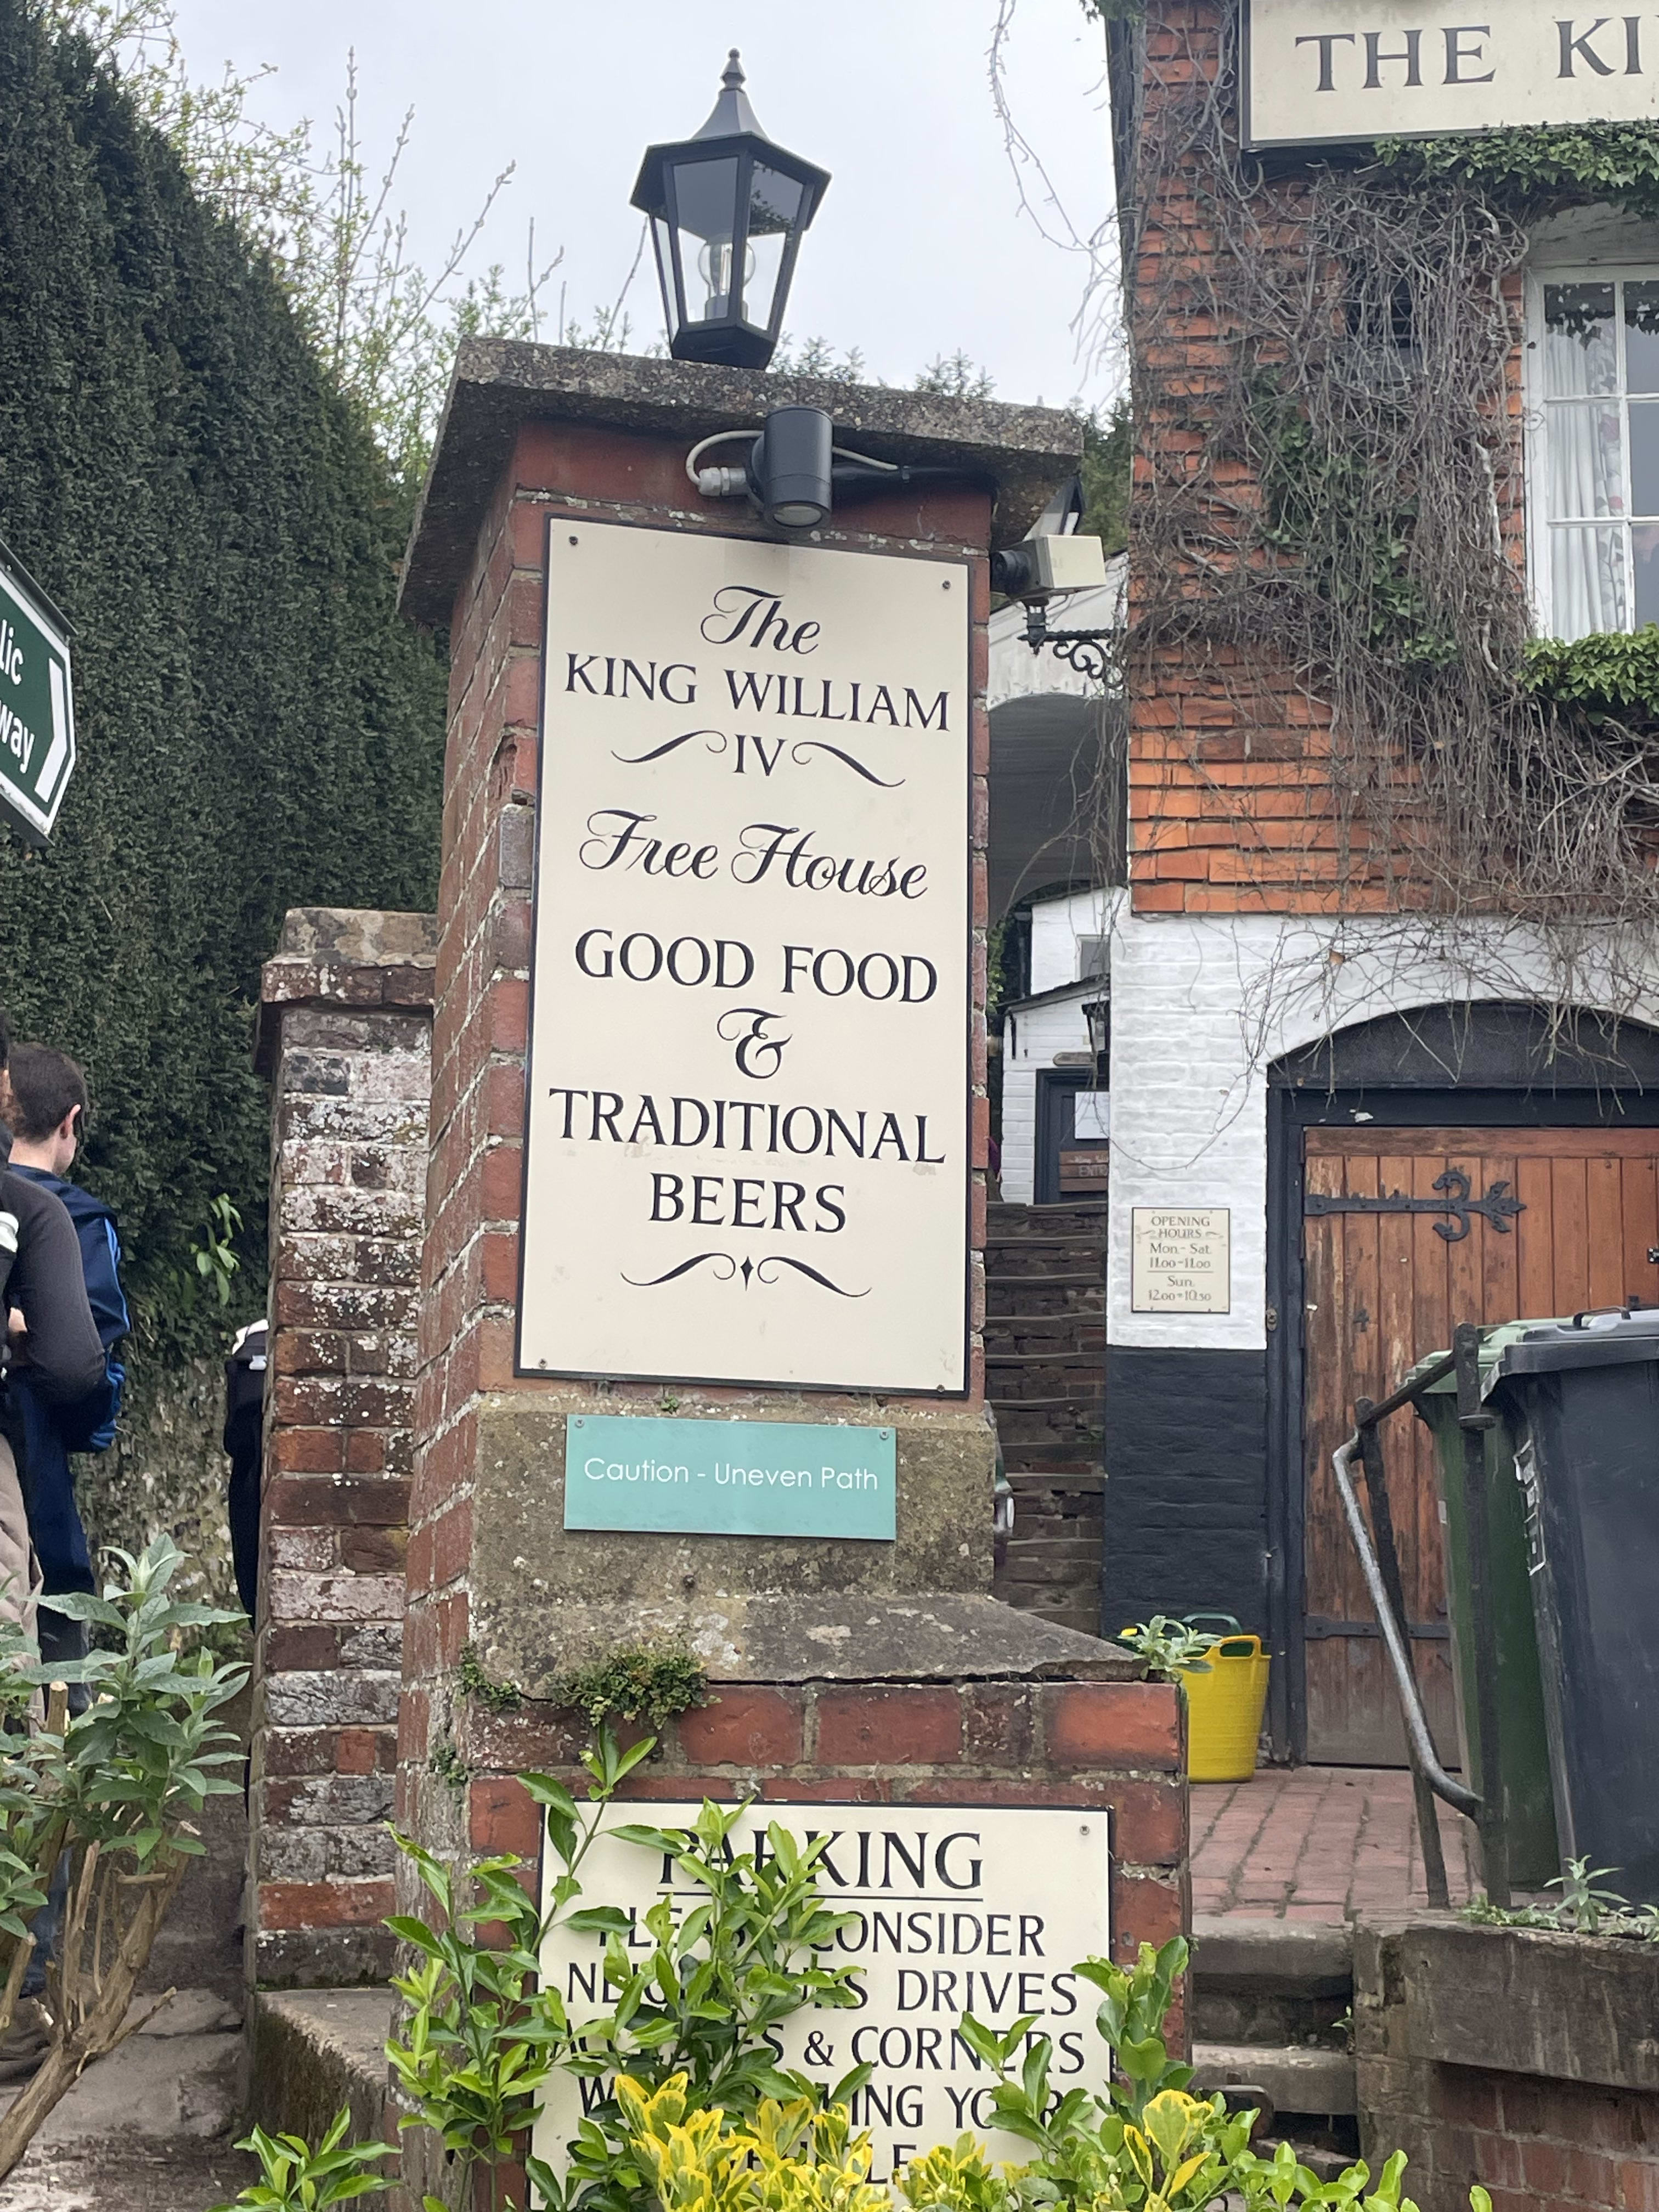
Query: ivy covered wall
{"x": 257, "y": 728}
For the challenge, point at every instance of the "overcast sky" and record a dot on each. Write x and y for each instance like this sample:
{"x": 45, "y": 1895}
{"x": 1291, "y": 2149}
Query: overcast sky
{"x": 920, "y": 246}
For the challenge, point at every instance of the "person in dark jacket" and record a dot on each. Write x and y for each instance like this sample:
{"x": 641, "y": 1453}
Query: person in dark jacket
{"x": 46, "y": 1326}
{"x": 48, "y": 1113}
{"x": 48, "y": 1334}
{"x": 244, "y": 1406}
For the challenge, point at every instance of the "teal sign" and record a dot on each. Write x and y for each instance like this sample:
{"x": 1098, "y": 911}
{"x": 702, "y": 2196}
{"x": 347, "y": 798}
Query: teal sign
{"x": 37, "y": 717}
{"x": 729, "y": 1478}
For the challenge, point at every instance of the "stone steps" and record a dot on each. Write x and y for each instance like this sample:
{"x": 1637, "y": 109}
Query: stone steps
{"x": 1045, "y": 1356}
{"x": 1270, "y": 2003}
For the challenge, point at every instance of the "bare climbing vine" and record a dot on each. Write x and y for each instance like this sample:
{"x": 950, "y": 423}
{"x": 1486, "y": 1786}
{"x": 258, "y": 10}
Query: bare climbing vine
{"x": 1326, "y": 534}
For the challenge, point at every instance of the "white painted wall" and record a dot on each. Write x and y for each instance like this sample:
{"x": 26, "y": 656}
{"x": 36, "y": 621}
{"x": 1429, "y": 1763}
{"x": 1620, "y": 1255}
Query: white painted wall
{"x": 1058, "y": 928}
{"x": 1038, "y": 1033}
{"x": 1201, "y": 1007}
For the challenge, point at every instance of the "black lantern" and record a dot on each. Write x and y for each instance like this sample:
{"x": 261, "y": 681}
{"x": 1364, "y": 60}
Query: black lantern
{"x": 727, "y": 209}
{"x": 1097, "y": 1013}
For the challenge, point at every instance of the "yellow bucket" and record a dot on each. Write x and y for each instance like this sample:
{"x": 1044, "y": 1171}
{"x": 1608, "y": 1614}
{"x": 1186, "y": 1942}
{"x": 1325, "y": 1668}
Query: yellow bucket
{"x": 1224, "y": 1707}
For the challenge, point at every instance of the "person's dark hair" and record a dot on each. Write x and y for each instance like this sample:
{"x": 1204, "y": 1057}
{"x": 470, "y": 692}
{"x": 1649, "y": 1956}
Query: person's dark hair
{"x": 45, "y": 1086}
{"x": 5, "y": 1042}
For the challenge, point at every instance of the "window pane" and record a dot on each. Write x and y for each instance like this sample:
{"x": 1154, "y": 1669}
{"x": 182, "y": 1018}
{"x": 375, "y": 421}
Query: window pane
{"x": 1587, "y": 475}
{"x": 774, "y": 203}
{"x": 1587, "y": 582}
{"x": 1581, "y": 352}
{"x": 1642, "y": 337}
{"x": 705, "y": 204}
{"x": 706, "y": 196}
{"x": 1644, "y": 457}
{"x": 1645, "y": 569}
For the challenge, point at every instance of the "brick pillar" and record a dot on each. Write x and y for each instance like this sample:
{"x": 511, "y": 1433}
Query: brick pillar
{"x": 344, "y": 1038}
{"x": 869, "y": 1671}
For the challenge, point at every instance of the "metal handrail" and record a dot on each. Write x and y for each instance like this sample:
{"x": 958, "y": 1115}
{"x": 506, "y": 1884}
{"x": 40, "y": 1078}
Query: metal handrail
{"x": 1424, "y": 1759}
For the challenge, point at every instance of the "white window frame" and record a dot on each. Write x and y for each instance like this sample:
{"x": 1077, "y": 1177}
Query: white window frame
{"x": 1536, "y": 422}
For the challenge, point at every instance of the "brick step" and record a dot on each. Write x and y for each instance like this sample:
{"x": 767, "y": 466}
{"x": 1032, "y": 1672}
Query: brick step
{"x": 1270, "y": 1983}
{"x": 1079, "y": 1609}
{"x": 1311, "y": 2083}
{"x": 1063, "y": 1281}
{"x": 1043, "y": 1463}
{"x": 1056, "y": 1358}
{"x": 1079, "y": 1309}
{"x": 1079, "y": 1569}
{"x": 1077, "y": 1317}
{"x": 1016, "y": 1221}
{"x": 1041, "y": 1246}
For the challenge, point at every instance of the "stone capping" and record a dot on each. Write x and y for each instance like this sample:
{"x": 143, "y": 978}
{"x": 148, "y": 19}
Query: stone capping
{"x": 1519, "y": 2000}
{"x": 499, "y": 384}
{"x": 345, "y": 956}
{"x": 847, "y": 1636}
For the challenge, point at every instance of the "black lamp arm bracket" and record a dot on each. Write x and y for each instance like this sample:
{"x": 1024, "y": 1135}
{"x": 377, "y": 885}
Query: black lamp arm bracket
{"x": 1088, "y": 651}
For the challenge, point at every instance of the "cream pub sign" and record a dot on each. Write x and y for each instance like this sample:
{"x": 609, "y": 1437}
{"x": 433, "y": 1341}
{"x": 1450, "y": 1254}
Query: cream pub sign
{"x": 1333, "y": 71}
{"x": 747, "y": 1156}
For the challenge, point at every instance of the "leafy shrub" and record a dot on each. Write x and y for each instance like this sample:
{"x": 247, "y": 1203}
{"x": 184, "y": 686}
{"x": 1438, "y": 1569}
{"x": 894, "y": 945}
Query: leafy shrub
{"x": 117, "y": 1788}
{"x": 700, "y": 2116}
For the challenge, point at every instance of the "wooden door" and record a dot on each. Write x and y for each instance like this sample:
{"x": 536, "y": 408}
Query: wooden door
{"x": 1557, "y": 1220}
{"x": 1071, "y": 1161}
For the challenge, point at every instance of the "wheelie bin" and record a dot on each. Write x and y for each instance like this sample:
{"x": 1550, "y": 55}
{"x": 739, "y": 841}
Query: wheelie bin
{"x": 1523, "y": 1758}
{"x": 1583, "y": 1396}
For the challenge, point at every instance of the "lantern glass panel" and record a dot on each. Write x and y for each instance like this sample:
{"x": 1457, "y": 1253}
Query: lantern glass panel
{"x": 706, "y": 205}
{"x": 774, "y": 204}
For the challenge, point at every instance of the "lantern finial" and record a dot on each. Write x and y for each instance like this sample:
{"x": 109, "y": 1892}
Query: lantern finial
{"x": 731, "y": 112}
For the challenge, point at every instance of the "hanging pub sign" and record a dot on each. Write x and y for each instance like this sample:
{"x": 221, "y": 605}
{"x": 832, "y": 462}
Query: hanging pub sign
{"x": 37, "y": 713}
{"x": 1319, "y": 72}
{"x": 947, "y": 1909}
{"x": 747, "y": 1156}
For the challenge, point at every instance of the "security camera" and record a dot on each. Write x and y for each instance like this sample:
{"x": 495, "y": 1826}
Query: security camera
{"x": 1057, "y": 562}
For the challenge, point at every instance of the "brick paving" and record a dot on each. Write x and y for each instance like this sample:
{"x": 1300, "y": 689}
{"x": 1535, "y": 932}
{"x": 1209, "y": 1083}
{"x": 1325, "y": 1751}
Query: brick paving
{"x": 1318, "y": 1842}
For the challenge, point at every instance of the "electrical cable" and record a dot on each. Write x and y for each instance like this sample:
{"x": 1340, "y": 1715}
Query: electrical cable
{"x": 719, "y": 438}
{"x": 846, "y": 453}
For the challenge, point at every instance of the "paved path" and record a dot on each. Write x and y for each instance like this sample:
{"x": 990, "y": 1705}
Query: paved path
{"x": 150, "y": 2128}
{"x": 1318, "y": 1842}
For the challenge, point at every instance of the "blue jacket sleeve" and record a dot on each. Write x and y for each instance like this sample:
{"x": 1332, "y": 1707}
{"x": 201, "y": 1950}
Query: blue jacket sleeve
{"x": 88, "y": 1426}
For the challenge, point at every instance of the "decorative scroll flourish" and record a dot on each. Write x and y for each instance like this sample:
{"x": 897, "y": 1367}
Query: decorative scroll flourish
{"x": 1499, "y": 1205}
{"x": 728, "y": 1269}
{"x": 672, "y": 745}
{"x": 798, "y": 754}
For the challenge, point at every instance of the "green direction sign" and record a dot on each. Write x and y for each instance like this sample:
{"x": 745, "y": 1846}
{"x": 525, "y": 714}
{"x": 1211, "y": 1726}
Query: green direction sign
{"x": 729, "y": 1478}
{"x": 37, "y": 713}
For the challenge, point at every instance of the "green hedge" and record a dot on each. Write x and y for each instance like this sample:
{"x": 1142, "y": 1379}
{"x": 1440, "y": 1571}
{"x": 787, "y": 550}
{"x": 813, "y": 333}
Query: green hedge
{"x": 259, "y": 729}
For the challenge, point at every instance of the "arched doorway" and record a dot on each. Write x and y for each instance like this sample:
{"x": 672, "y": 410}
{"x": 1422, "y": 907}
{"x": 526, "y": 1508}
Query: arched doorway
{"x": 1451, "y": 1165}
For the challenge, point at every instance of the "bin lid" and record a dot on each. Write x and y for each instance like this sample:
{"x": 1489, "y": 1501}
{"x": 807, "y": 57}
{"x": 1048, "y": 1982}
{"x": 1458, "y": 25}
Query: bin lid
{"x": 1495, "y": 1338}
{"x": 1620, "y": 1339}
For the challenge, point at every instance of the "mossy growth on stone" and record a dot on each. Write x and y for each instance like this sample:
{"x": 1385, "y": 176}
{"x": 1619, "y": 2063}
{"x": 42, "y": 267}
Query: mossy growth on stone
{"x": 637, "y": 1682}
{"x": 498, "y": 1696}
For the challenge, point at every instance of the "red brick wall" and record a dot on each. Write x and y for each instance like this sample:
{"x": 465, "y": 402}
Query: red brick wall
{"x": 344, "y": 1038}
{"x": 1232, "y": 808}
{"x": 1519, "y": 2060}
{"x": 1117, "y": 1744}
{"x": 482, "y": 1012}
{"x": 1537, "y": 2146}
